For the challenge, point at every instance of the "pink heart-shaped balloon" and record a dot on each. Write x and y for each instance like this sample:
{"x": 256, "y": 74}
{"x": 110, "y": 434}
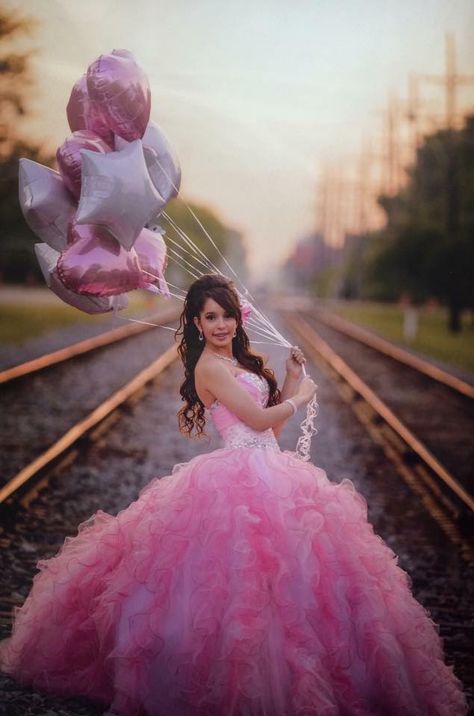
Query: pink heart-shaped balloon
{"x": 69, "y": 157}
{"x": 48, "y": 259}
{"x": 84, "y": 113}
{"x": 120, "y": 87}
{"x": 151, "y": 249}
{"x": 94, "y": 262}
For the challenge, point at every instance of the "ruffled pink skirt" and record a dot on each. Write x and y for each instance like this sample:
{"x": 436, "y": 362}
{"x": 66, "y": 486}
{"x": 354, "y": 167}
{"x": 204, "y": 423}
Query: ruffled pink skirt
{"x": 244, "y": 584}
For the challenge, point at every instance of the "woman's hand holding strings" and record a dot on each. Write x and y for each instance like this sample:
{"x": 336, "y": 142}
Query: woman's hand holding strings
{"x": 294, "y": 363}
{"x": 294, "y": 369}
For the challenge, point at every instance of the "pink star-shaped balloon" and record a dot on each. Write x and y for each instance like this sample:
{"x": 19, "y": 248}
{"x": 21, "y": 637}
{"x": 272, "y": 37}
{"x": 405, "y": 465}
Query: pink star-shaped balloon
{"x": 117, "y": 192}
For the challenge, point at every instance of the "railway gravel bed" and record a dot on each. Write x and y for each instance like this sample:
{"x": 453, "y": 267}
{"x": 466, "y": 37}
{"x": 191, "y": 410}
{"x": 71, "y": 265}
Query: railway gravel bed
{"x": 439, "y": 417}
{"x": 144, "y": 442}
{"x": 38, "y": 409}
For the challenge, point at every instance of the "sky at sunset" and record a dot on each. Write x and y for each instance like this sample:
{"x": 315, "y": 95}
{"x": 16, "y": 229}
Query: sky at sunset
{"x": 255, "y": 96}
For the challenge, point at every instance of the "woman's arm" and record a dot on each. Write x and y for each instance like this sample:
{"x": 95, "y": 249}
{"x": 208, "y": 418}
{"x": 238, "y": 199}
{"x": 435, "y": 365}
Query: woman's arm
{"x": 288, "y": 390}
{"x": 289, "y": 387}
{"x": 294, "y": 373}
{"x": 222, "y": 385}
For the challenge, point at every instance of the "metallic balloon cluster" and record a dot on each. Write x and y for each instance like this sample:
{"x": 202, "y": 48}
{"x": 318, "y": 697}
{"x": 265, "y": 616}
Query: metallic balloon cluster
{"x": 117, "y": 171}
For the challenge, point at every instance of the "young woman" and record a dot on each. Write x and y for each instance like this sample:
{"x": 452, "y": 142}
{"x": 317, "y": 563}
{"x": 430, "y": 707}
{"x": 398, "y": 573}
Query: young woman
{"x": 243, "y": 584}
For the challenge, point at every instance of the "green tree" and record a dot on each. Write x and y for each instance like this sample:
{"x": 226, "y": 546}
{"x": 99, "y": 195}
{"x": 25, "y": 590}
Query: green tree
{"x": 15, "y": 77}
{"x": 428, "y": 244}
{"x": 17, "y": 259}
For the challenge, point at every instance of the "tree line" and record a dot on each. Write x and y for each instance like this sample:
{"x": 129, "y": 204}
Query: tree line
{"x": 426, "y": 248}
{"x": 424, "y": 251}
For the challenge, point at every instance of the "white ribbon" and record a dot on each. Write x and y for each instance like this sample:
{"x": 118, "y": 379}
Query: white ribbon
{"x": 308, "y": 429}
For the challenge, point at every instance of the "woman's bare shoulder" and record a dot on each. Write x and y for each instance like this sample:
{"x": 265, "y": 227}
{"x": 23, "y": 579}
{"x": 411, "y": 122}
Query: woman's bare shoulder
{"x": 209, "y": 367}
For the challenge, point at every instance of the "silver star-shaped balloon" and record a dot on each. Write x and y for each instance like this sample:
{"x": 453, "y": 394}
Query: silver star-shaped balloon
{"x": 45, "y": 202}
{"x": 161, "y": 160}
{"x": 117, "y": 192}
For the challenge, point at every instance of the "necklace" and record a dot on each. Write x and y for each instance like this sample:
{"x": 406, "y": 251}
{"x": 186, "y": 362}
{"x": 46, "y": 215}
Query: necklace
{"x": 234, "y": 361}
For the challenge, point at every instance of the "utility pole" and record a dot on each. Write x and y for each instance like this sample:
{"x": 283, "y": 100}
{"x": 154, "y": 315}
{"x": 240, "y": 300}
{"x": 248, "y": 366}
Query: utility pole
{"x": 390, "y": 156}
{"x": 323, "y": 204}
{"x": 347, "y": 201}
{"x": 328, "y": 211}
{"x": 451, "y": 80}
{"x": 363, "y": 187}
{"x": 334, "y": 206}
{"x": 413, "y": 113}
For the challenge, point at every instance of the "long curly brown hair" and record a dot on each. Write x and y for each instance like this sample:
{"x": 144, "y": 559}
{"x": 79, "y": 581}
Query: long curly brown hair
{"x": 222, "y": 290}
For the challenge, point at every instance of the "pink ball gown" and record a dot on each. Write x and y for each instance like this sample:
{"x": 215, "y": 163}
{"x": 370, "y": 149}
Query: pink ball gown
{"x": 244, "y": 583}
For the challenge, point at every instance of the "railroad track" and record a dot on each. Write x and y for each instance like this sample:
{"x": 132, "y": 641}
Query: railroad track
{"x": 399, "y": 354}
{"x": 47, "y": 515}
{"x": 438, "y": 486}
{"x": 437, "y": 404}
{"x": 26, "y": 476}
{"x": 81, "y": 348}
{"x": 77, "y": 386}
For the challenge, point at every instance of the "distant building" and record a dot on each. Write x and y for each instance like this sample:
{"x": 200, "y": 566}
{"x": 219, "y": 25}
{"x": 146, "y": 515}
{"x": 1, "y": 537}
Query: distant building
{"x": 310, "y": 256}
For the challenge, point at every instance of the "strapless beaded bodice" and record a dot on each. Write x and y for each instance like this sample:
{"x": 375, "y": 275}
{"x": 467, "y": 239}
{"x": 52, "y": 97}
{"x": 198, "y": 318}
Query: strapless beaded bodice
{"x": 233, "y": 431}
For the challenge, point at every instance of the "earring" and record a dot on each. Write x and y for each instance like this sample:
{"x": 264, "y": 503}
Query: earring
{"x": 235, "y": 334}
{"x": 201, "y": 335}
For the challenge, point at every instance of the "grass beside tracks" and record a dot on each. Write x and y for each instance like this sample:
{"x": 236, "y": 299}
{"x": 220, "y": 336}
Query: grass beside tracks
{"x": 22, "y": 319}
{"x": 433, "y": 338}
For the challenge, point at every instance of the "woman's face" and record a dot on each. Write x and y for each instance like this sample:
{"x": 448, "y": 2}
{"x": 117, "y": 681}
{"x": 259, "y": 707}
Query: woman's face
{"x": 217, "y": 325}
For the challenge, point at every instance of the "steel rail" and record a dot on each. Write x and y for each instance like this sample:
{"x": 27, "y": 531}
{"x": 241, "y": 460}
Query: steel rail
{"x": 308, "y": 334}
{"x": 382, "y": 345}
{"x": 78, "y": 430}
{"x": 86, "y": 346}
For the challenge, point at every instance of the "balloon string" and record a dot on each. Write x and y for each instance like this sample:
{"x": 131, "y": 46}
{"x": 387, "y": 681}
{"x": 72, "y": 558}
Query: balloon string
{"x": 168, "y": 328}
{"x": 182, "y": 295}
{"x": 213, "y": 267}
{"x": 263, "y": 317}
{"x": 206, "y": 234}
{"x": 308, "y": 428}
{"x": 187, "y": 251}
{"x": 197, "y": 250}
{"x": 147, "y": 323}
{"x": 182, "y": 263}
{"x": 259, "y": 330}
